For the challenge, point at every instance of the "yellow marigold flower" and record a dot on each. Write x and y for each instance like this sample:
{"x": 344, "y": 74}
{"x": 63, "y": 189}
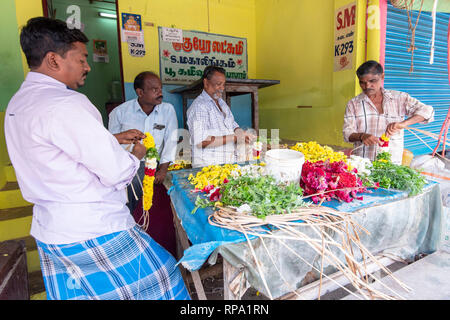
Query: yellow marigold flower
{"x": 148, "y": 141}
{"x": 384, "y": 137}
{"x": 212, "y": 175}
{"x": 314, "y": 152}
{"x": 147, "y": 186}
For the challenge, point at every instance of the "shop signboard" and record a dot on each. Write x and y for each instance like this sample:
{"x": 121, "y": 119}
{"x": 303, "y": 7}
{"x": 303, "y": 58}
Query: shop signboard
{"x": 344, "y": 35}
{"x": 184, "y": 62}
{"x": 133, "y": 34}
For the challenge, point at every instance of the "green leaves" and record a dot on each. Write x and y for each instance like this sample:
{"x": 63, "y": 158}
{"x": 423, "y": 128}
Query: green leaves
{"x": 384, "y": 156}
{"x": 393, "y": 176}
{"x": 262, "y": 194}
{"x": 152, "y": 153}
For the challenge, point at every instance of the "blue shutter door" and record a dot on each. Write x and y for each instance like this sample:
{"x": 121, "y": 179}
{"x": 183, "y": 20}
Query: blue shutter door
{"x": 428, "y": 83}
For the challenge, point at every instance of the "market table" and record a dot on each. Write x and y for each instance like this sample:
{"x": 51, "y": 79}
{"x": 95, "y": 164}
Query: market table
{"x": 400, "y": 227}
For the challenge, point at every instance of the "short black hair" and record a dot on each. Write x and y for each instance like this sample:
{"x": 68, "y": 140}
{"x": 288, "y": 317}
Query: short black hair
{"x": 369, "y": 67}
{"x": 140, "y": 78}
{"x": 42, "y": 35}
{"x": 209, "y": 71}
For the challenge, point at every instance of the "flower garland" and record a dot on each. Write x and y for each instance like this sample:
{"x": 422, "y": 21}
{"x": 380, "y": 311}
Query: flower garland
{"x": 384, "y": 140}
{"x": 384, "y": 144}
{"x": 257, "y": 148}
{"x": 151, "y": 162}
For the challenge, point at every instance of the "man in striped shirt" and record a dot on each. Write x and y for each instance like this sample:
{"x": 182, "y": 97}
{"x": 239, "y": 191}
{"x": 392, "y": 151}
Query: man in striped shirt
{"x": 377, "y": 110}
{"x": 214, "y": 132}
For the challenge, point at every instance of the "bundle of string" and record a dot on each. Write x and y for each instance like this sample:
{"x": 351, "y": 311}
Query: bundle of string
{"x": 324, "y": 222}
{"x": 407, "y": 5}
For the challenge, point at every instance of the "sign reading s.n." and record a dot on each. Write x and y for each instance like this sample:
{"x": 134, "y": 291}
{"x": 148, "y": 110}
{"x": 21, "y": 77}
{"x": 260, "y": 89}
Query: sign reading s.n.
{"x": 184, "y": 62}
{"x": 344, "y": 35}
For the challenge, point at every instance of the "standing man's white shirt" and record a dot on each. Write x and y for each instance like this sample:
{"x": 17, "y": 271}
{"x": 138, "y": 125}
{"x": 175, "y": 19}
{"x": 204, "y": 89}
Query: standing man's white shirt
{"x": 204, "y": 119}
{"x": 54, "y": 137}
{"x": 161, "y": 123}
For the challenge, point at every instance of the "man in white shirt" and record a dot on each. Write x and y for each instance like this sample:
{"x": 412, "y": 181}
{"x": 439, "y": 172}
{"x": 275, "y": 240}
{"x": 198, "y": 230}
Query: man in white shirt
{"x": 147, "y": 113}
{"x": 214, "y": 133}
{"x": 75, "y": 172}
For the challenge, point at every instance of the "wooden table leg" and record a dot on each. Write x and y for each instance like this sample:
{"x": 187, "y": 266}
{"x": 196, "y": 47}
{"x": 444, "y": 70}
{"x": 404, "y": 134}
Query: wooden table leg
{"x": 234, "y": 283}
{"x": 184, "y": 242}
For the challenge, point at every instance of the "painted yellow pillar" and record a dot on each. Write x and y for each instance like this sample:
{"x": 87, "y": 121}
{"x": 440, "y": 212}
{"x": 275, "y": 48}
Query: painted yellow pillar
{"x": 25, "y": 10}
{"x": 373, "y": 30}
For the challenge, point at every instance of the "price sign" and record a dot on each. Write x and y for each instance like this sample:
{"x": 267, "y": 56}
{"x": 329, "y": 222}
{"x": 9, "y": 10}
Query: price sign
{"x": 344, "y": 34}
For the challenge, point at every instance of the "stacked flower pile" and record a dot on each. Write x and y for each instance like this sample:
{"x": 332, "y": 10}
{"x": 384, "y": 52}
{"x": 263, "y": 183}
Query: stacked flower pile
{"x": 362, "y": 165}
{"x": 212, "y": 176}
{"x": 178, "y": 165}
{"x": 151, "y": 162}
{"x": 314, "y": 152}
{"x": 327, "y": 180}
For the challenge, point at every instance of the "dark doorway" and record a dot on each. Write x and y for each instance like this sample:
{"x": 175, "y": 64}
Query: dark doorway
{"x": 98, "y": 20}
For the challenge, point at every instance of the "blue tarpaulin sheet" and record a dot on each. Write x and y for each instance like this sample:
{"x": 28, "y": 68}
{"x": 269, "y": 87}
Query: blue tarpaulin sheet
{"x": 206, "y": 238}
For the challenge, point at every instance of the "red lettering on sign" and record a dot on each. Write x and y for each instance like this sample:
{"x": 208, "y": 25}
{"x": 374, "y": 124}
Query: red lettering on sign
{"x": 349, "y": 18}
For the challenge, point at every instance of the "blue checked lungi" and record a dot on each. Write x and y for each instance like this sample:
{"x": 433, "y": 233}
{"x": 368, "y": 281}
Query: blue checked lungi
{"x": 124, "y": 265}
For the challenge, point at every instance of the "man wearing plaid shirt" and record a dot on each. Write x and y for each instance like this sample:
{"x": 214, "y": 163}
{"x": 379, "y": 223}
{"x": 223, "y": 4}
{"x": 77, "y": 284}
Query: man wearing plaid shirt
{"x": 214, "y": 133}
{"x": 376, "y": 111}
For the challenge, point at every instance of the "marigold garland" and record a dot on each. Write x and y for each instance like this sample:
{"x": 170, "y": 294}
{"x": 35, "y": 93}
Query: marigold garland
{"x": 151, "y": 162}
{"x": 384, "y": 140}
{"x": 257, "y": 148}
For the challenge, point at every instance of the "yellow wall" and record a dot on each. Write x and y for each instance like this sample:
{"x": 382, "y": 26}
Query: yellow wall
{"x": 26, "y": 9}
{"x": 288, "y": 40}
{"x": 228, "y": 17}
{"x": 295, "y": 45}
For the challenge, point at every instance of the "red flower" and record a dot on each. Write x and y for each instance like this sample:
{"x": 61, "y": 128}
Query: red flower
{"x": 208, "y": 188}
{"x": 166, "y": 53}
{"x": 239, "y": 61}
{"x": 149, "y": 172}
{"x": 333, "y": 178}
{"x": 215, "y": 196}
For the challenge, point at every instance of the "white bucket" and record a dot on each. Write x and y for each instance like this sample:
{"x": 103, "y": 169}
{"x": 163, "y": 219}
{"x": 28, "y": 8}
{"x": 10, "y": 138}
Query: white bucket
{"x": 285, "y": 165}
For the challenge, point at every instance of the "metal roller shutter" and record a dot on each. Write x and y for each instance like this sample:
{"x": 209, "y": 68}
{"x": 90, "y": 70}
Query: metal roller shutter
{"x": 428, "y": 83}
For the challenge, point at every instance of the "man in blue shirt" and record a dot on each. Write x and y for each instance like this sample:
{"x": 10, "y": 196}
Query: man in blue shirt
{"x": 148, "y": 113}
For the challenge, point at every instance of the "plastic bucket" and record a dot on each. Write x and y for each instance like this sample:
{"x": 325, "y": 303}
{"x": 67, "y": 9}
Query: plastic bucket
{"x": 285, "y": 165}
